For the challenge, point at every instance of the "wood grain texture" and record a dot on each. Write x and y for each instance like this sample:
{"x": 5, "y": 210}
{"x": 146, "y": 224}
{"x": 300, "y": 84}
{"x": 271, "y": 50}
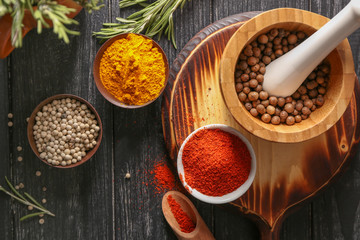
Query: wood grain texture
{"x": 6, "y": 206}
{"x": 280, "y": 184}
{"x": 81, "y": 198}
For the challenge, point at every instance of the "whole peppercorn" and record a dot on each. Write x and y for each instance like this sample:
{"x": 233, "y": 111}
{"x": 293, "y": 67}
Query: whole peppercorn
{"x": 246, "y": 90}
{"x": 301, "y": 35}
{"x": 325, "y": 68}
{"x": 302, "y": 90}
{"x": 245, "y": 77}
{"x": 305, "y": 111}
{"x": 275, "y": 120}
{"x": 253, "y": 83}
{"x": 288, "y": 99}
{"x": 320, "y": 80}
{"x": 256, "y": 51}
{"x": 266, "y": 60}
{"x": 242, "y": 96}
{"x": 251, "y": 61}
{"x": 260, "y": 78}
{"x": 243, "y": 65}
{"x": 255, "y": 103}
{"x": 311, "y": 85}
{"x": 260, "y": 108}
{"x": 308, "y": 103}
{"x": 313, "y": 93}
{"x": 273, "y": 100}
{"x": 248, "y": 51}
{"x": 252, "y": 75}
{"x": 303, "y": 116}
{"x": 263, "y": 95}
{"x": 290, "y": 120}
{"x": 248, "y": 106}
{"x": 296, "y": 95}
{"x": 267, "y": 51}
{"x": 283, "y": 115}
{"x": 289, "y": 107}
{"x": 277, "y": 111}
{"x": 265, "y": 103}
{"x": 313, "y": 108}
{"x": 298, "y": 118}
{"x": 255, "y": 68}
{"x": 312, "y": 76}
{"x": 292, "y": 39}
{"x": 274, "y": 32}
{"x": 299, "y": 106}
{"x": 319, "y": 101}
{"x": 253, "y": 96}
{"x": 258, "y": 88}
{"x": 281, "y": 101}
{"x": 321, "y": 90}
{"x": 263, "y": 39}
{"x": 254, "y": 112}
{"x": 239, "y": 87}
{"x": 246, "y": 84}
{"x": 279, "y": 52}
{"x": 266, "y": 118}
{"x": 270, "y": 110}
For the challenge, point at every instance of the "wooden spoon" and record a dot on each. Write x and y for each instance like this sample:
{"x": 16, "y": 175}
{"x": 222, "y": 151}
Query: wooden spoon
{"x": 201, "y": 231}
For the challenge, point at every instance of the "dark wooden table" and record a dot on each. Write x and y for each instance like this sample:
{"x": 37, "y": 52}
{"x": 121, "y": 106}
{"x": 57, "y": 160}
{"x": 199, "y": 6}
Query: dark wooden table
{"x": 95, "y": 201}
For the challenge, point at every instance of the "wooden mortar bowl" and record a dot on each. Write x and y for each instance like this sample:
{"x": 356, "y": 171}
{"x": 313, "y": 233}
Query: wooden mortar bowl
{"x": 31, "y": 123}
{"x": 339, "y": 90}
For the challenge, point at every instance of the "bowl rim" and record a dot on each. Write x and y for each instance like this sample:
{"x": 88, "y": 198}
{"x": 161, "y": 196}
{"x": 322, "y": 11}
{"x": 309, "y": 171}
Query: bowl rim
{"x": 96, "y": 72}
{"x": 281, "y": 133}
{"x": 227, "y": 197}
{"x": 31, "y": 123}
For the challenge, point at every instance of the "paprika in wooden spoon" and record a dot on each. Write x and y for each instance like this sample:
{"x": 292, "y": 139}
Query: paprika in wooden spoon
{"x": 183, "y": 217}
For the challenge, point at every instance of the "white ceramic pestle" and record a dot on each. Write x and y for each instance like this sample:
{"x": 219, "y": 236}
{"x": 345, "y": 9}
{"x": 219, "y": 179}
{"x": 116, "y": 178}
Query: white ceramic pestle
{"x": 284, "y": 75}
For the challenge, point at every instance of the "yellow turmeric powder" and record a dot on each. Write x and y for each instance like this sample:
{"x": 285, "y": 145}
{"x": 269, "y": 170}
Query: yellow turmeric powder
{"x": 133, "y": 70}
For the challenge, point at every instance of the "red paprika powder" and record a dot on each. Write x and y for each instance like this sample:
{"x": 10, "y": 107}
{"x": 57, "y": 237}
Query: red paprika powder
{"x": 215, "y": 162}
{"x": 184, "y": 221}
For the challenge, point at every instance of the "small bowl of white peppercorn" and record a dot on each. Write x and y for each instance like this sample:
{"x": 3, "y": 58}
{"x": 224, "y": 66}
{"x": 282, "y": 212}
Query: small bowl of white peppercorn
{"x": 64, "y": 131}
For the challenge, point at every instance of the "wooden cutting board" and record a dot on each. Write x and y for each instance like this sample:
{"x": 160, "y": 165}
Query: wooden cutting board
{"x": 287, "y": 173}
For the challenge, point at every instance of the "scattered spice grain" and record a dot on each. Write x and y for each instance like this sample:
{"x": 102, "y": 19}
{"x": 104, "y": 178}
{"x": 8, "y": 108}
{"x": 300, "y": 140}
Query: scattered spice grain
{"x": 41, "y": 221}
{"x": 43, "y": 200}
{"x": 185, "y": 222}
{"x": 10, "y": 115}
{"x": 30, "y": 208}
{"x": 127, "y": 175}
{"x": 10, "y": 124}
{"x": 19, "y": 158}
{"x": 19, "y": 148}
{"x": 38, "y": 173}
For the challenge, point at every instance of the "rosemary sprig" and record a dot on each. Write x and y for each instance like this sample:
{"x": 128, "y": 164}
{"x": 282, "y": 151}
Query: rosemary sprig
{"x": 154, "y": 19}
{"x": 30, "y": 201}
{"x": 47, "y": 10}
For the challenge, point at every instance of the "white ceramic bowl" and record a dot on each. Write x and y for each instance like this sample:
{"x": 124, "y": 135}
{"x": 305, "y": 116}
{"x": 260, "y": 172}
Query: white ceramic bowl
{"x": 230, "y": 196}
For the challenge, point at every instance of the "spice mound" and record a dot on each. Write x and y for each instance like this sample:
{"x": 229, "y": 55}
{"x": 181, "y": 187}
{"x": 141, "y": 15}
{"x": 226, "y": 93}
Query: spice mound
{"x": 249, "y": 76}
{"x": 185, "y": 222}
{"x": 64, "y": 131}
{"x": 133, "y": 70}
{"x": 215, "y": 162}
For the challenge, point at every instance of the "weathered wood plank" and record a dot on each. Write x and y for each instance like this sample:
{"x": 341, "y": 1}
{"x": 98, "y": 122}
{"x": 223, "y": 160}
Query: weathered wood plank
{"x": 81, "y": 197}
{"x": 6, "y": 220}
{"x": 139, "y": 144}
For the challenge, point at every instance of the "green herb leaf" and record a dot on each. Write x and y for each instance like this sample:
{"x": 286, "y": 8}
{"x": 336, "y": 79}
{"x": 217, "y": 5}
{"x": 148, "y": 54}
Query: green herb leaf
{"x": 31, "y": 215}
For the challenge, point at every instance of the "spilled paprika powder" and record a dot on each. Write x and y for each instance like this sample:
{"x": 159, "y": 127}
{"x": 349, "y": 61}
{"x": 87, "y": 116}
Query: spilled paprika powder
{"x": 185, "y": 222}
{"x": 215, "y": 162}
